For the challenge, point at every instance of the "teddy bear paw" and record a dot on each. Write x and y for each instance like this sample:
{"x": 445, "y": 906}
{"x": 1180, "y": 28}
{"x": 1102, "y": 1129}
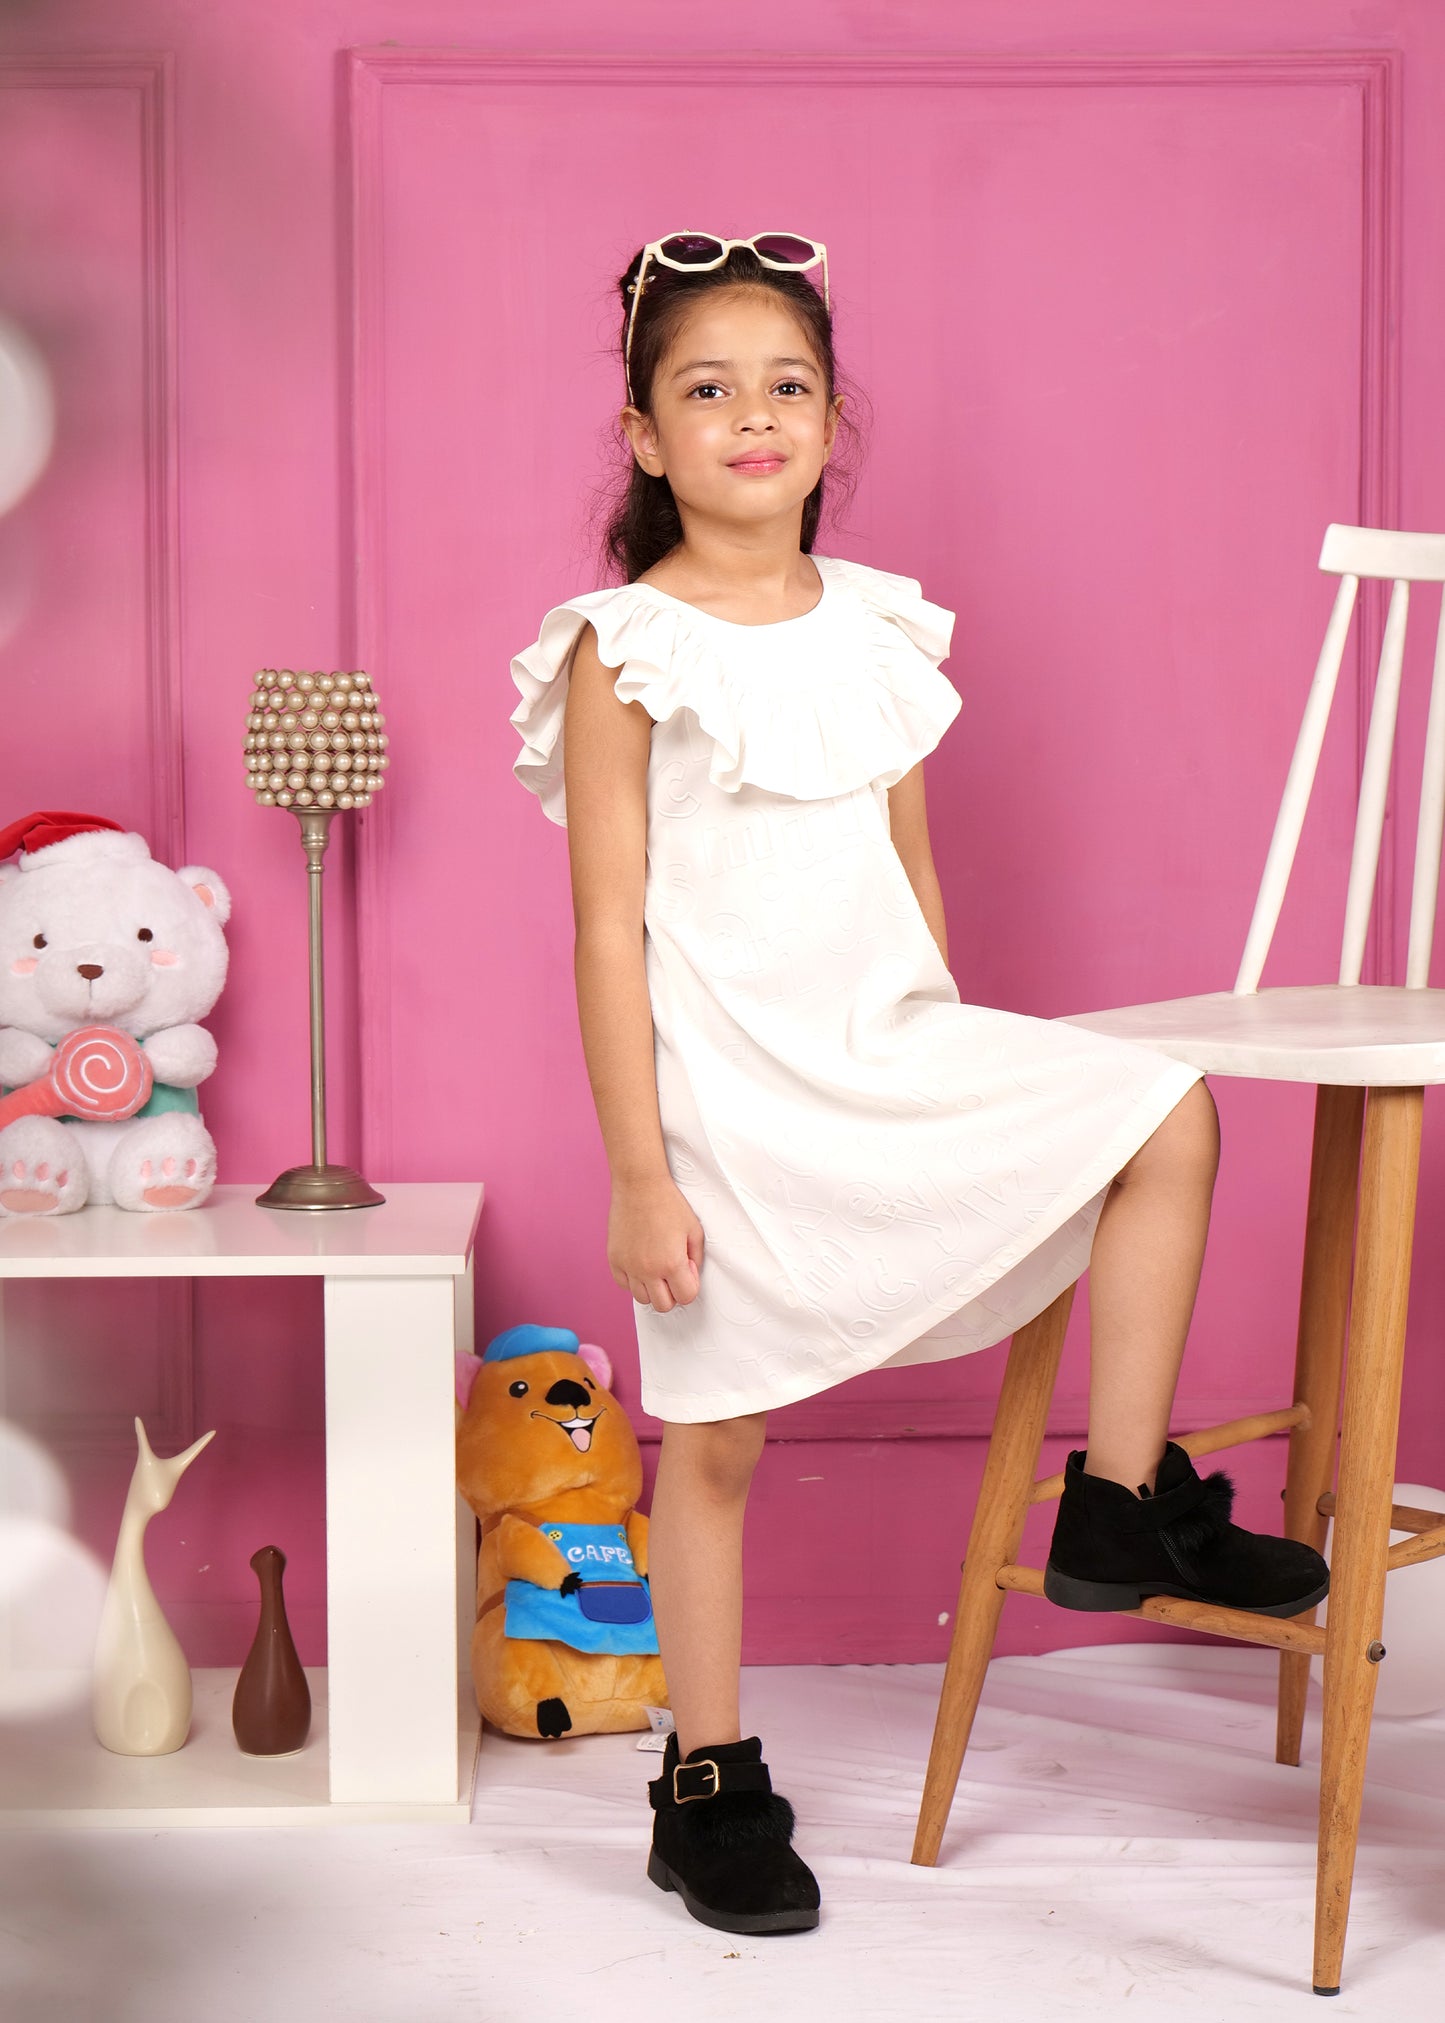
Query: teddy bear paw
{"x": 36, "y": 1188}
{"x": 161, "y": 1163}
{"x": 172, "y": 1183}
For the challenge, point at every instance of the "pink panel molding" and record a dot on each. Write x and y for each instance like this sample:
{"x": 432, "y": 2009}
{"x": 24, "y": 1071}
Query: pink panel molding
{"x": 368, "y": 73}
{"x": 150, "y": 79}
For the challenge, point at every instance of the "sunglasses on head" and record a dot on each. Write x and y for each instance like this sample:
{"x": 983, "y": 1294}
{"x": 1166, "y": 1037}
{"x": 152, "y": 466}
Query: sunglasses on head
{"x": 698, "y": 252}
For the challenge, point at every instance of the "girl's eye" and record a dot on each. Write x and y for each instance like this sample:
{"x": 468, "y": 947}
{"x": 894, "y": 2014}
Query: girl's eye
{"x": 790, "y": 386}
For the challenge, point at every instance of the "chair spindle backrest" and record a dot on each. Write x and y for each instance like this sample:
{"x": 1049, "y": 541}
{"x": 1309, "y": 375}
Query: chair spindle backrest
{"x": 1351, "y": 553}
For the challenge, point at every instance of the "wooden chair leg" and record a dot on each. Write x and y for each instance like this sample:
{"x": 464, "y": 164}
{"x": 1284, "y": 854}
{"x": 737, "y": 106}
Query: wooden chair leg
{"x": 1388, "y": 1176}
{"x": 993, "y": 1542}
{"x": 1319, "y": 1358}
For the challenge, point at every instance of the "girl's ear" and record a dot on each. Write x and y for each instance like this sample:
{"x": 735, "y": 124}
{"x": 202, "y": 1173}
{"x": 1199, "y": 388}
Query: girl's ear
{"x": 835, "y": 412}
{"x": 643, "y": 438}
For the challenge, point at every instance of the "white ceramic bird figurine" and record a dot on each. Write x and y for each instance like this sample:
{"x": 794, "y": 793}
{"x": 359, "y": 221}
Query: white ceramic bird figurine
{"x": 141, "y": 1692}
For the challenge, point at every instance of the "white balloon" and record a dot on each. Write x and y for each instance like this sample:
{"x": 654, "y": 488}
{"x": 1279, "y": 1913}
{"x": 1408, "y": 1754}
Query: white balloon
{"x": 51, "y": 1588}
{"x": 50, "y": 1602}
{"x": 27, "y": 414}
{"x": 1412, "y": 1672}
{"x": 31, "y": 1484}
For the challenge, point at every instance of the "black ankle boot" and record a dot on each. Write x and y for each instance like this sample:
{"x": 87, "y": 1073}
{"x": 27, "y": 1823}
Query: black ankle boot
{"x": 721, "y": 1838}
{"x": 1111, "y": 1548}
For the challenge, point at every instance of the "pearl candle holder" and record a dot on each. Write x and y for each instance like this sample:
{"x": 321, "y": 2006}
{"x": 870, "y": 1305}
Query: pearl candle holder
{"x": 316, "y": 744}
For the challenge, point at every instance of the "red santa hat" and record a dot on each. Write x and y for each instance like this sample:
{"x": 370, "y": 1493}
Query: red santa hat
{"x": 39, "y": 831}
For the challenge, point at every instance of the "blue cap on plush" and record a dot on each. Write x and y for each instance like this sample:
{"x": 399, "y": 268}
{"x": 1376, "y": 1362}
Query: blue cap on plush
{"x": 530, "y": 1340}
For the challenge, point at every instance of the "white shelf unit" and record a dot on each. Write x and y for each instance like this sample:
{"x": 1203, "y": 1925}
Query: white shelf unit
{"x": 394, "y": 1731}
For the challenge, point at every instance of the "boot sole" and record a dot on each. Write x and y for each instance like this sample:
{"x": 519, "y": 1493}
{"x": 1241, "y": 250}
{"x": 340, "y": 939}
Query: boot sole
{"x": 725, "y": 1921}
{"x": 1100, "y": 1597}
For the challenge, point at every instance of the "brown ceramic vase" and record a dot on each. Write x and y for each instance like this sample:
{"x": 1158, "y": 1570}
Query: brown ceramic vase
{"x": 271, "y": 1711}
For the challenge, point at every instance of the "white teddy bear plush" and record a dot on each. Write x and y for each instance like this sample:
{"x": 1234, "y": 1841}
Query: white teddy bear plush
{"x": 94, "y": 932}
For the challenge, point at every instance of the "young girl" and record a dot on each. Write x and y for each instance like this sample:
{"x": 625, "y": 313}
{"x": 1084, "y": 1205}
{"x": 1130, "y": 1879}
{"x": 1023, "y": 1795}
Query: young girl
{"x": 821, "y": 1160}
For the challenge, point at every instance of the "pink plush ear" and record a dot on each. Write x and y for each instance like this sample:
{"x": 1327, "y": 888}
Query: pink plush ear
{"x": 466, "y": 1373}
{"x": 598, "y": 1362}
{"x": 208, "y": 888}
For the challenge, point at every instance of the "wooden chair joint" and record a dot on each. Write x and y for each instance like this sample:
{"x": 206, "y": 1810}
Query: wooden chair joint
{"x": 1403, "y": 1516}
{"x": 1410, "y": 1551}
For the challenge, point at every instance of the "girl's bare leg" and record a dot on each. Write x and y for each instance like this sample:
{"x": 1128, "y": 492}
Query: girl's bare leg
{"x": 1143, "y": 1276}
{"x": 695, "y": 1567}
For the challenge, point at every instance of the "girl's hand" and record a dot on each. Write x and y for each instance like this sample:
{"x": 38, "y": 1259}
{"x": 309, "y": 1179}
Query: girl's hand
{"x": 654, "y": 1244}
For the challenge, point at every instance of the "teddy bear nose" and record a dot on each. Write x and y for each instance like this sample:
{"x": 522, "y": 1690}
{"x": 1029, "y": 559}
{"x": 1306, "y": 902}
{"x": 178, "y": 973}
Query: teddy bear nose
{"x": 565, "y": 1392}
{"x": 90, "y": 970}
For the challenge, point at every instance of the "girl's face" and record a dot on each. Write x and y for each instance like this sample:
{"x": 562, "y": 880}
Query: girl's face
{"x": 741, "y": 425}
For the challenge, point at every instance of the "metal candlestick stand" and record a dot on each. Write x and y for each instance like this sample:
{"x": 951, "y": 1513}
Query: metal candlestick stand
{"x": 318, "y": 1185}
{"x": 315, "y": 745}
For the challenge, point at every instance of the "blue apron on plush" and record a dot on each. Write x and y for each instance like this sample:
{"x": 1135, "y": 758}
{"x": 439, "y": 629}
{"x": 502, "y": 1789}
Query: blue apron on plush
{"x": 610, "y": 1611}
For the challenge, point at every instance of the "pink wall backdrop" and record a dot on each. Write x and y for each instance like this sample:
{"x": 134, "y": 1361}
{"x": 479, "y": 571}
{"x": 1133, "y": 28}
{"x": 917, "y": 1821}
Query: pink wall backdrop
{"x": 1140, "y": 297}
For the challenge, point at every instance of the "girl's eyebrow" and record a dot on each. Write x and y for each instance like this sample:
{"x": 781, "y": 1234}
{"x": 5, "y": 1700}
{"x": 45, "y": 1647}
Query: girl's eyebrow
{"x": 695, "y": 364}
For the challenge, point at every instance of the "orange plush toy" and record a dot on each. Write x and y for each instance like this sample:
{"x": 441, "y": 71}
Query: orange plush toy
{"x": 565, "y": 1642}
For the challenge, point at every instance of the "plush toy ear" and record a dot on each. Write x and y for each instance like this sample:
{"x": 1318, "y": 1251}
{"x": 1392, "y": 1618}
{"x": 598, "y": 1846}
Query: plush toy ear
{"x": 598, "y": 1362}
{"x": 208, "y": 889}
{"x": 466, "y": 1375}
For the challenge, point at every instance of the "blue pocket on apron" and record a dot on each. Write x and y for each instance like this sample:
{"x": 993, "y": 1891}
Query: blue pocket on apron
{"x": 614, "y": 1601}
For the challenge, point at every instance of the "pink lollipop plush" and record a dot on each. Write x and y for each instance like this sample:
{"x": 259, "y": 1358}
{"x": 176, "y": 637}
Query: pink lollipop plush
{"x": 97, "y": 1073}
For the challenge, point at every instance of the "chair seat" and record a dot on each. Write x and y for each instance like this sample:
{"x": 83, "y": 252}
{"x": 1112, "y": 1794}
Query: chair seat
{"x": 1351, "y": 1035}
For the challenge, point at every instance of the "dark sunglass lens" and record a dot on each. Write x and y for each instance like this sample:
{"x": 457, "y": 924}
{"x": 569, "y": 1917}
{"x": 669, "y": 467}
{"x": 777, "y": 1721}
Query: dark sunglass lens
{"x": 779, "y": 246}
{"x": 692, "y": 248}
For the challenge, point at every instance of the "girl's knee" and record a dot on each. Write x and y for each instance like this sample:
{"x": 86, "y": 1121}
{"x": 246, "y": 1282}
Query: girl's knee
{"x": 1196, "y": 1117}
{"x": 1203, "y": 1123}
{"x": 1186, "y": 1143}
{"x": 721, "y": 1453}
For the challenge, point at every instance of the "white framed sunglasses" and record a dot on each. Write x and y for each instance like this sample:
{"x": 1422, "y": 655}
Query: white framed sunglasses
{"x": 700, "y": 252}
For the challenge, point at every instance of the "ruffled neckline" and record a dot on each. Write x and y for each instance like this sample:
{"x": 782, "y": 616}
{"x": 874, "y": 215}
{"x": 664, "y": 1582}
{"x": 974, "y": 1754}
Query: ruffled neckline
{"x": 860, "y": 705}
{"x": 826, "y": 596}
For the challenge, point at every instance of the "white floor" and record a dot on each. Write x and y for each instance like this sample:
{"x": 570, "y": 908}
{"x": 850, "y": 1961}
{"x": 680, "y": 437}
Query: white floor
{"x": 1123, "y": 1844}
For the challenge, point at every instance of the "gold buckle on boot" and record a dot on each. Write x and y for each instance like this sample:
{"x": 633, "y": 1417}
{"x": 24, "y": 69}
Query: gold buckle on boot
{"x": 687, "y": 1797}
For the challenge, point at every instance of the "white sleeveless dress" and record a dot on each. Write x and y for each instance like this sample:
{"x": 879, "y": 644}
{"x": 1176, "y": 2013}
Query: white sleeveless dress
{"x": 883, "y": 1174}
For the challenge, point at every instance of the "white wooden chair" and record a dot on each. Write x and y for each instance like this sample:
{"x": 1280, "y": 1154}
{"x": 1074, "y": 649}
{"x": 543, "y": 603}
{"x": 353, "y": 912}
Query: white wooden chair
{"x": 1370, "y": 1050}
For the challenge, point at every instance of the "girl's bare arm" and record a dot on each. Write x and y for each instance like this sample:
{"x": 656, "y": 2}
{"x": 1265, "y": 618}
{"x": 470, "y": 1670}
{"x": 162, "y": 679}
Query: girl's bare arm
{"x": 908, "y": 822}
{"x": 654, "y": 1241}
{"x": 605, "y": 748}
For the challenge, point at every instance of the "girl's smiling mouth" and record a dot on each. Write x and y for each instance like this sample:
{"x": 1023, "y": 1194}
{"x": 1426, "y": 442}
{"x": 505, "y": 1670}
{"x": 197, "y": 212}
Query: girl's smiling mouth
{"x": 757, "y": 463}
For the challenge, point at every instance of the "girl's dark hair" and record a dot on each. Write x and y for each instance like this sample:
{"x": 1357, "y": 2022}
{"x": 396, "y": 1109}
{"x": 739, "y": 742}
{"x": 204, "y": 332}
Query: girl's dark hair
{"x": 643, "y": 523}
